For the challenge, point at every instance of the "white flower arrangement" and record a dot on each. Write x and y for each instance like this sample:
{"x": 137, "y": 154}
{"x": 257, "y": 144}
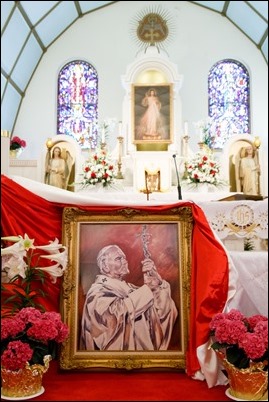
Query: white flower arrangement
{"x": 98, "y": 169}
{"x": 202, "y": 169}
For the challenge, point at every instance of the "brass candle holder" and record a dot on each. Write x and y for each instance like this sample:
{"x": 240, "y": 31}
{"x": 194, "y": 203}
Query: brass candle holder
{"x": 201, "y": 145}
{"x": 119, "y": 174}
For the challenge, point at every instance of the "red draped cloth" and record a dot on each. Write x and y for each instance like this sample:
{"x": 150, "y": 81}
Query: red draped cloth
{"x": 25, "y": 212}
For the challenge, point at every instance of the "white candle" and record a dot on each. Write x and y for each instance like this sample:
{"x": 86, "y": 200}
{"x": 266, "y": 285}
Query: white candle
{"x": 90, "y": 130}
{"x": 201, "y": 135}
{"x": 103, "y": 135}
{"x": 120, "y": 129}
{"x": 186, "y": 128}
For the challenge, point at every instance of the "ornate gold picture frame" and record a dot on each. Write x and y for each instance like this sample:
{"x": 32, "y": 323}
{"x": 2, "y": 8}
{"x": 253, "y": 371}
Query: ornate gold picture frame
{"x": 142, "y": 234}
{"x": 152, "y": 114}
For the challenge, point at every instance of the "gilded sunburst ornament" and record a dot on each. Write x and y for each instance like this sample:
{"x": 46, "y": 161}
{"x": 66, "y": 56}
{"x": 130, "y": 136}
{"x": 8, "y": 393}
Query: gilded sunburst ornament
{"x": 152, "y": 28}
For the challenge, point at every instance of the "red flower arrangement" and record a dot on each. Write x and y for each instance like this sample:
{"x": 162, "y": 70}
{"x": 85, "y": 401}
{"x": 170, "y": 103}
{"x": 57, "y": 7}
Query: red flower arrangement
{"x": 242, "y": 340}
{"x": 16, "y": 143}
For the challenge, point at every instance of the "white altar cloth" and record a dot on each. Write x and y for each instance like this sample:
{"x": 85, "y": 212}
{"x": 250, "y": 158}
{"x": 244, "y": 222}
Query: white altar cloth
{"x": 116, "y": 195}
{"x": 252, "y": 285}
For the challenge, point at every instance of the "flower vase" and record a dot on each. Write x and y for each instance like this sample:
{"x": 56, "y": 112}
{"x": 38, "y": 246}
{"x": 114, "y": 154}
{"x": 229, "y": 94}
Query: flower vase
{"x": 99, "y": 188}
{"x": 201, "y": 188}
{"x": 25, "y": 383}
{"x": 15, "y": 153}
{"x": 195, "y": 187}
{"x": 250, "y": 384}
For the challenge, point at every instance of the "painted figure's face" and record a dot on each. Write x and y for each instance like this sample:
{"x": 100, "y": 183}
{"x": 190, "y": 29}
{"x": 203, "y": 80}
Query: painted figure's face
{"x": 56, "y": 152}
{"x": 117, "y": 264}
{"x": 249, "y": 150}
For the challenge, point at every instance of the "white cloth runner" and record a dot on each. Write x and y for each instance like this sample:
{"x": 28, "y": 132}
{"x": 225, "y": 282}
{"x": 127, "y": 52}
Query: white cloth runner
{"x": 242, "y": 219}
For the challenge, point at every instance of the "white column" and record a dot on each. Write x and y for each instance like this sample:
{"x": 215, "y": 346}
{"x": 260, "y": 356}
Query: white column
{"x": 5, "y": 143}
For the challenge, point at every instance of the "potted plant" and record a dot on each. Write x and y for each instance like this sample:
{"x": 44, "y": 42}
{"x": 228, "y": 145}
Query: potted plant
{"x": 16, "y": 146}
{"x": 242, "y": 344}
{"x": 29, "y": 334}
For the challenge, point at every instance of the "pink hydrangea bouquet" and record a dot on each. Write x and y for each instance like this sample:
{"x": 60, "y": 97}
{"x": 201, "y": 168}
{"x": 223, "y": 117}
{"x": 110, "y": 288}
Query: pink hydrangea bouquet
{"x": 242, "y": 340}
{"x": 29, "y": 336}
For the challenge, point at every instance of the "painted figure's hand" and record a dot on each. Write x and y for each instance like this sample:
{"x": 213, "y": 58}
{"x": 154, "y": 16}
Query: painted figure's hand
{"x": 151, "y": 277}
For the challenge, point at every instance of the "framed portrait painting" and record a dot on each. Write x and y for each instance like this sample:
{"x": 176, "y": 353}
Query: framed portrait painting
{"x": 152, "y": 114}
{"x": 126, "y": 291}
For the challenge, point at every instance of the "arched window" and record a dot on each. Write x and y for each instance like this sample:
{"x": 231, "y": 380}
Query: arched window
{"x": 228, "y": 94}
{"x": 77, "y": 113}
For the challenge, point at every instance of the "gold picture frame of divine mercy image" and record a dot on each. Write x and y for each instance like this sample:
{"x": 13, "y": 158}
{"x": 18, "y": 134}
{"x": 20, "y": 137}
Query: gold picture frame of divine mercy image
{"x": 126, "y": 291}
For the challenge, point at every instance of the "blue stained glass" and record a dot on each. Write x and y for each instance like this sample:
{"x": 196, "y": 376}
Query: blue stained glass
{"x": 228, "y": 94}
{"x": 78, "y": 103}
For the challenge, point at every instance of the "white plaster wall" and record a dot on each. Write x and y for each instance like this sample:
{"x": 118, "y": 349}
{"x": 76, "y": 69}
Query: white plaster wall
{"x": 106, "y": 39}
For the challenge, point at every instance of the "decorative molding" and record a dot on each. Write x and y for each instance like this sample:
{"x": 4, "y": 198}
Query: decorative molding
{"x": 5, "y": 133}
{"x": 22, "y": 163}
{"x": 152, "y": 59}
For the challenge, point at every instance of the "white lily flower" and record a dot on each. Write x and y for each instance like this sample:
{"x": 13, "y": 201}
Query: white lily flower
{"x": 27, "y": 243}
{"x": 60, "y": 257}
{"x": 17, "y": 270}
{"x": 11, "y": 238}
{"x": 24, "y": 243}
{"x": 14, "y": 265}
{"x": 51, "y": 248}
{"x": 15, "y": 249}
{"x": 20, "y": 260}
{"x": 55, "y": 271}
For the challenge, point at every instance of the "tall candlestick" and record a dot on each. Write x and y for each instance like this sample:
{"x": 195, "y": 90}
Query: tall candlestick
{"x": 120, "y": 139}
{"x": 119, "y": 174}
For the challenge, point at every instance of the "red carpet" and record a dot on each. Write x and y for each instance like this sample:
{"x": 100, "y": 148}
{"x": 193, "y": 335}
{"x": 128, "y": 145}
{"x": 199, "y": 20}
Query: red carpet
{"x": 125, "y": 386}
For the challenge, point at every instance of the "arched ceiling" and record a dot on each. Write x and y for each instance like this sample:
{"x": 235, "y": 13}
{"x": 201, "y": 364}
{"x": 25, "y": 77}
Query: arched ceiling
{"x": 28, "y": 28}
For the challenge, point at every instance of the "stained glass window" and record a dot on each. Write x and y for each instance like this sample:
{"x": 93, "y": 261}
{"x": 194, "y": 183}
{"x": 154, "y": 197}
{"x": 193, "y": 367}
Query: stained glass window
{"x": 228, "y": 91}
{"x": 77, "y": 113}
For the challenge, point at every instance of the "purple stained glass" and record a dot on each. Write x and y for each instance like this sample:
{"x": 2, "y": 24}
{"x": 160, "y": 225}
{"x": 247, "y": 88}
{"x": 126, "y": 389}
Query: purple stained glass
{"x": 228, "y": 94}
{"x": 77, "y": 113}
